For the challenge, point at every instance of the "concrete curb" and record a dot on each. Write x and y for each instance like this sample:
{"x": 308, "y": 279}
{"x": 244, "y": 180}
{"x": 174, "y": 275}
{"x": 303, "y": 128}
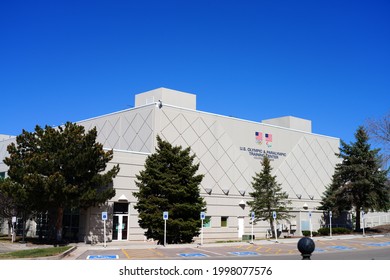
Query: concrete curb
{"x": 58, "y": 257}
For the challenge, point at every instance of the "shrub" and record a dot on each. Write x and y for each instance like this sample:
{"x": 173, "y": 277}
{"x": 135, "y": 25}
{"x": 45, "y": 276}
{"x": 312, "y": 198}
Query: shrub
{"x": 337, "y": 230}
{"x": 307, "y": 233}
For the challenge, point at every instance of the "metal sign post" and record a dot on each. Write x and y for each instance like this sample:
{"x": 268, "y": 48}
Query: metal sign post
{"x": 202, "y": 217}
{"x": 165, "y": 217}
{"x": 330, "y": 224}
{"x": 276, "y": 231}
{"x": 13, "y": 229}
{"x": 104, "y": 218}
{"x": 311, "y": 227}
{"x": 364, "y": 234}
{"x": 253, "y": 221}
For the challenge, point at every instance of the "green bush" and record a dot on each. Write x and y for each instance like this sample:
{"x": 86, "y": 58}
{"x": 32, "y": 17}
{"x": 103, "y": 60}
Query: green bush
{"x": 307, "y": 233}
{"x": 337, "y": 230}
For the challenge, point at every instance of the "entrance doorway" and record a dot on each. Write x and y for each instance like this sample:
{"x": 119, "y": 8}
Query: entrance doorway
{"x": 240, "y": 227}
{"x": 120, "y": 221}
{"x": 120, "y": 227}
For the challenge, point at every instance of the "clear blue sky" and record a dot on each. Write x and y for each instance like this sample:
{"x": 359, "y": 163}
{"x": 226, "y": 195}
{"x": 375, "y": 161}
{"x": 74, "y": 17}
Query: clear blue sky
{"x": 323, "y": 60}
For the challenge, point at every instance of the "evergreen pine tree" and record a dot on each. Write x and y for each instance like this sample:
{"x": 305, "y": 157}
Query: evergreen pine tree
{"x": 169, "y": 183}
{"x": 63, "y": 168}
{"x": 268, "y": 197}
{"x": 358, "y": 182}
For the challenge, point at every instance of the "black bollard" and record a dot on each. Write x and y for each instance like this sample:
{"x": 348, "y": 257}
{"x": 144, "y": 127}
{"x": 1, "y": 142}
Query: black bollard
{"x": 306, "y": 246}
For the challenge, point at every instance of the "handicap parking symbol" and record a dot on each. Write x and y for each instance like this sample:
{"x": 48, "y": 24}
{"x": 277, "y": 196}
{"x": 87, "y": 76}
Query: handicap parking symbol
{"x": 244, "y": 253}
{"x": 102, "y": 257}
{"x": 383, "y": 244}
{"x": 319, "y": 250}
{"x": 193, "y": 255}
{"x": 342, "y": 248}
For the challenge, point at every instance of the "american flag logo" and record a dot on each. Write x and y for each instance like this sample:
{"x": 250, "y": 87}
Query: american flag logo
{"x": 268, "y": 139}
{"x": 259, "y": 137}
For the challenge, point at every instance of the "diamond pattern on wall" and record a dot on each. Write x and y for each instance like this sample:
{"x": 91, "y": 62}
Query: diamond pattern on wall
{"x": 109, "y": 131}
{"x": 308, "y": 168}
{"x": 129, "y": 130}
{"x": 223, "y": 167}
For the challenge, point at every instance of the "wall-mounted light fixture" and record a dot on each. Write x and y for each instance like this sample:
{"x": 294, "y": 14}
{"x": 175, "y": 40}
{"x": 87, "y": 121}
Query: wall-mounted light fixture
{"x": 226, "y": 191}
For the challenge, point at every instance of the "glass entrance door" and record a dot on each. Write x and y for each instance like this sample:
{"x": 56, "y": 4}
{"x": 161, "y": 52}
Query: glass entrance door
{"x": 120, "y": 227}
{"x": 120, "y": 221}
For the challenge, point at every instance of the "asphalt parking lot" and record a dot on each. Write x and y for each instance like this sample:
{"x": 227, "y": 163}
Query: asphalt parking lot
{"x": 284, "y": 249}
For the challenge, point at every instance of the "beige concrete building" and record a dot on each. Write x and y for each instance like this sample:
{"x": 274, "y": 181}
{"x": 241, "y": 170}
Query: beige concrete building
{"x": 229, "y": 151}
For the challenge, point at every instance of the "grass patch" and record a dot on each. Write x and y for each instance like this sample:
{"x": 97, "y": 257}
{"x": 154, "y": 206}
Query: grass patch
{"x": 35, "y": 253}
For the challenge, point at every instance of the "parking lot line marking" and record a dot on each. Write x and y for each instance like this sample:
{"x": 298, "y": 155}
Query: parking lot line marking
{"x": 126, "y": 254}
{"x": 380, "y": 239}
{"x": 209, "y": 252}
{"x": 354, "y": 245}
{"x": 291, "y": 251}
{"x": 154, "y": 251}
{"x": 258, "y": 248}
{"x": 342, "y": 248}
{"x": 277, "y": 253}
{"x": 269, "y": 249}
{"x": 358, "y": 246}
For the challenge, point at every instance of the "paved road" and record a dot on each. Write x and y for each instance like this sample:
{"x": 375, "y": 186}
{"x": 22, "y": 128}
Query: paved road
{"x": 367, "y": 248}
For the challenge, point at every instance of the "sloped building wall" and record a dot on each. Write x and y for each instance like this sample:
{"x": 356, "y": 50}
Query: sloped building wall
{"x": 229, "y": 155}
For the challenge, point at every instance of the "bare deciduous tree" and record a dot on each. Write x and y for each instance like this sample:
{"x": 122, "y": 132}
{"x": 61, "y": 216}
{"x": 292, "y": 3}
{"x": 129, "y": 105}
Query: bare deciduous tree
{"x": 379, "y": 131}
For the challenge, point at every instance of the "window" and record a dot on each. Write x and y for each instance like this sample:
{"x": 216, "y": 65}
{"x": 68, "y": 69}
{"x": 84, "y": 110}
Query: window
{"x": 224, "y": 221}
{"x": 121, "y": 208}
{"x": 42, "y": 221}
{"x": 207, "y": 222}
{"x": 2, "y": 175}
{"x": 70, "y": 225}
